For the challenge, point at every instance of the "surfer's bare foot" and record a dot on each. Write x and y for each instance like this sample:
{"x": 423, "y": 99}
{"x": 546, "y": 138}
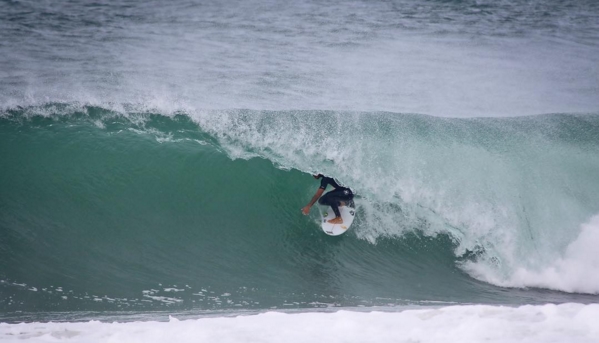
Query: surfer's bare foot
{"x": 337, "y": 220}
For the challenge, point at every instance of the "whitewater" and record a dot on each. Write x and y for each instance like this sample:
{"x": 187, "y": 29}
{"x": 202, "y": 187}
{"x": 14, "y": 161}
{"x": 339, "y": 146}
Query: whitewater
{"x": 548, "y": 323}
{"x": 154, "y": 157}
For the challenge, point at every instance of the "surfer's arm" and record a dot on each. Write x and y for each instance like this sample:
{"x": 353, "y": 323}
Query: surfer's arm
{"x": 315, "y": 198}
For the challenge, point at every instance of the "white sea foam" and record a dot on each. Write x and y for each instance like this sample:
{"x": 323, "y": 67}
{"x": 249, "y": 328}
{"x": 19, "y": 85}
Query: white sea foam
{"x": 577, "y": 270}
{"x": 573, "y": 323}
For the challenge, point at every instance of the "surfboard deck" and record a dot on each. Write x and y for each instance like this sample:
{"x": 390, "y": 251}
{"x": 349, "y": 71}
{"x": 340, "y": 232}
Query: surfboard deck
{"x": 347, "y": 214}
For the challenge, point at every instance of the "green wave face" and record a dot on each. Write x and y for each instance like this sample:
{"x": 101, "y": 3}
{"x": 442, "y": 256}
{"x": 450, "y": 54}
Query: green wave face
{"x": 130, "y": 210}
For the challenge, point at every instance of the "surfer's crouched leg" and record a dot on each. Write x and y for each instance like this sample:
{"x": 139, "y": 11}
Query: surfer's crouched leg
{"x": 337, "y": 219}
{"x": 334, "y": 199}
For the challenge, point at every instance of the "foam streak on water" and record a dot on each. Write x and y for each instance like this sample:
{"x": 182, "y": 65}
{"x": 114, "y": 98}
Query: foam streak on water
{"x": 564, "y": 323}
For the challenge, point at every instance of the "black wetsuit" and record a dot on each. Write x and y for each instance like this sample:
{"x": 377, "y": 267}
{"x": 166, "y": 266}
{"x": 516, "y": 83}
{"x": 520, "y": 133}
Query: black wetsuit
{"x": 336, "y": 196}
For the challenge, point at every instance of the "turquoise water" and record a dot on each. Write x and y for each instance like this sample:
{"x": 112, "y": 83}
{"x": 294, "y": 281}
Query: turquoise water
{"x": 105, "y": 212}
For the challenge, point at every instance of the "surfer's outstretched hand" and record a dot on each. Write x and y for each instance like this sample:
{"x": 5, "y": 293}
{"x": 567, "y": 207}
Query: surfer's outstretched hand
{"x": 306, "y": 210}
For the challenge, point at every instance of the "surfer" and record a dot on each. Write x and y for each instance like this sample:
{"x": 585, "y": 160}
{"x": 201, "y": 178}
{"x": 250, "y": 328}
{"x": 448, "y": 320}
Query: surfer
{"x": 333, "y": 198}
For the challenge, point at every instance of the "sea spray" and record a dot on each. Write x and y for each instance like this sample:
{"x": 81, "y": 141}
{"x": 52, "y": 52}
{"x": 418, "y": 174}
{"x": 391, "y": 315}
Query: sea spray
{"x": 511, "y": 191}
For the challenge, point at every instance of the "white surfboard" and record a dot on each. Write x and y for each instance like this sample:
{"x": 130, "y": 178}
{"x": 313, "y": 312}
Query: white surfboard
{"x": 347, "y": 214}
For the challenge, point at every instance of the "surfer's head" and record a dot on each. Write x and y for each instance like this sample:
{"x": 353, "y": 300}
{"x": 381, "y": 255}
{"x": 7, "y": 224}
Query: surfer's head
{"x": 317, "y": 176}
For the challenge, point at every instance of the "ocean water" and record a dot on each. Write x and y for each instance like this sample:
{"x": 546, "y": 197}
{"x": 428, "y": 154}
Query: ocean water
{"x": 154, "y": 158}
